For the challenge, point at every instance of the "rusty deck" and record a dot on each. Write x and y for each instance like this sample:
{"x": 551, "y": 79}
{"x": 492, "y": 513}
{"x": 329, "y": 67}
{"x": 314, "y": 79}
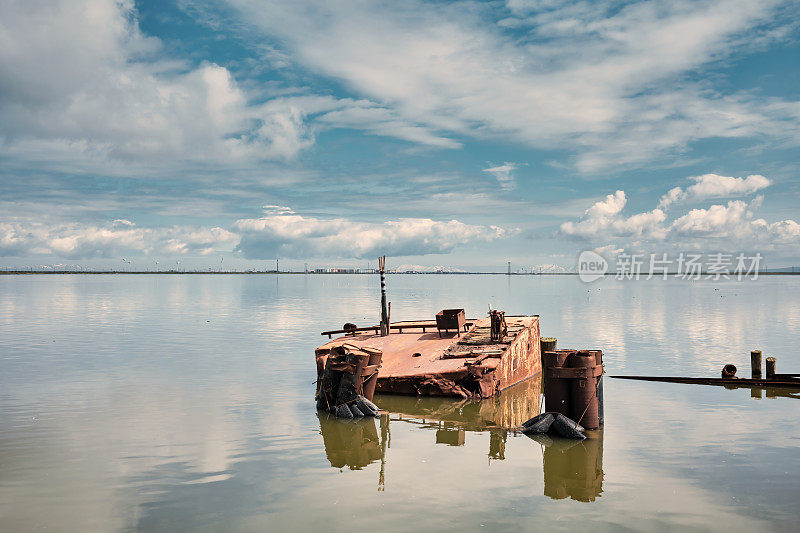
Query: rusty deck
{"x": 465, "y": 364}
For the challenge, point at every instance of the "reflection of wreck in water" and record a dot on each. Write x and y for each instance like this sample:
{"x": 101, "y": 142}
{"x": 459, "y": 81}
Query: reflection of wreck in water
{"x": 508, "y": 409}
{"x": 351, "y": 443}
{"x": 357, "y": 443}
{"x": 573, "y": 469}
{"x": 452, "y": 419}
{"x": 773, "y": 392}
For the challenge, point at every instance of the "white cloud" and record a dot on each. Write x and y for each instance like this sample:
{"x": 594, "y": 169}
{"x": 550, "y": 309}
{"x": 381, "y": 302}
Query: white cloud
{"x": 80, "y": 241}
{"x": 609, "y": 82}
{"x": 504, "y": 174}
{"x": 613, "y": 204}
{"x": 641, "y": 224}
{"x": 277, "y": 210}
{"x": 608, "y": 250}
{"x": 279, "y": 233}
{"x": 327, "y": 112}
{"x": 85, "y": 73}
{"x": 599, "y": 216}
{"x": 783, "y": 232}
{"x": 675, "y": 194}
{"x": 732, "y": 224}
{"x": 735, "y": 223}
{"x": 718, "y": 220}
{"x": 715, "y": 186}
{"x": 283, "y": 234}
{"x": 383, "y": 121}
{"x": 82, "y": 78}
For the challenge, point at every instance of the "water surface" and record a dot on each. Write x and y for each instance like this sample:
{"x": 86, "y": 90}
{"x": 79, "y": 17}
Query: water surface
{"x": 164, "y": 402}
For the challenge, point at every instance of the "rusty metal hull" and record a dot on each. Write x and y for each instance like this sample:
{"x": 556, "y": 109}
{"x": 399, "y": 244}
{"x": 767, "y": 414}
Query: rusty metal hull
{"x": 465, "y": 366}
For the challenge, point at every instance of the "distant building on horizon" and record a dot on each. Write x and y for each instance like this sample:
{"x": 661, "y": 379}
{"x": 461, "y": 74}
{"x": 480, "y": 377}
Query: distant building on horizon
{"x": 333, "y": 270}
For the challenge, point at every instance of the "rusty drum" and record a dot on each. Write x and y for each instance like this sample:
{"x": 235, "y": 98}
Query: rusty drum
{"x": 583, "y": 393}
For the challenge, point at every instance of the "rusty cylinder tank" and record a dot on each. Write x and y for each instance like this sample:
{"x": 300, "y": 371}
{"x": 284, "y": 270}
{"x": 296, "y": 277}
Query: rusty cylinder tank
{"x": 598, "y": 360}
{"x": 556, "y": 390}
{"x": 583, "y": 391}
{"x": 375, "y": 357}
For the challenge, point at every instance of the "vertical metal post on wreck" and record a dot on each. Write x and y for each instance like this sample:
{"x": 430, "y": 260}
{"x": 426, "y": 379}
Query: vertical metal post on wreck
{"x": 548, "y": 344}
{"x": 384, "y": 313}
{"x": 770, "y": 368}
{"x": 755, "y": 364}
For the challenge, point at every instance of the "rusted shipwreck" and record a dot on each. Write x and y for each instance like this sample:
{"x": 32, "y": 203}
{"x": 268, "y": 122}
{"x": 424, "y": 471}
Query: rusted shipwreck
{"x": 475, "y": 358}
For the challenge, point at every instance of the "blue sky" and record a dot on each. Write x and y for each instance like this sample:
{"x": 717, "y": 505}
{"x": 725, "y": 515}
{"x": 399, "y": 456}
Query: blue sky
{"x": 462, "y": 134}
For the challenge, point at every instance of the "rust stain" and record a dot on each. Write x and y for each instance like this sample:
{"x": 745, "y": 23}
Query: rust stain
{"x": 465, "y": 366}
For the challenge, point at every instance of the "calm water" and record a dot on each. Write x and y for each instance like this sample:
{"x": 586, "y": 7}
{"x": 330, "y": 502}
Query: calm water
{"x": 186, "y": 403}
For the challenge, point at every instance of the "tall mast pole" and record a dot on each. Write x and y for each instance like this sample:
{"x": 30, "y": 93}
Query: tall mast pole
{"x": 384, "y": 314}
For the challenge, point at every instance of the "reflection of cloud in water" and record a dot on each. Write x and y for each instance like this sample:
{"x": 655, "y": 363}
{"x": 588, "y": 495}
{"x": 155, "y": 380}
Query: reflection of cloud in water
{"x": 188, "y": 424}
{"x": 674, "y": 325}
{"x": 133, "y": 441}
{"x": 634, "y": 490}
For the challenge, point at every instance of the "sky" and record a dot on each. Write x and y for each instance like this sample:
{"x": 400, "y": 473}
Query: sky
{"x": 229, "y": 134}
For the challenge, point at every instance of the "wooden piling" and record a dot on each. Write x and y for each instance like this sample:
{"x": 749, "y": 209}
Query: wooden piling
{"x": 770, "y": 366}
{"x": 548, "y": 344}
{"x": 755, "y": 364}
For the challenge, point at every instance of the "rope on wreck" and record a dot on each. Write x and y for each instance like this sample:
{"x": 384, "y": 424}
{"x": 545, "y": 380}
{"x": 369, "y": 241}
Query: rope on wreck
{"x": 596, "y": 389}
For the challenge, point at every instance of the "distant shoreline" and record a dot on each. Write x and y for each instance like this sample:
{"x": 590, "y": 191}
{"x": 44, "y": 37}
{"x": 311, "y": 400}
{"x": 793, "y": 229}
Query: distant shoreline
{"x": 283, "y": 272}
{"x": 256, "y": 272}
